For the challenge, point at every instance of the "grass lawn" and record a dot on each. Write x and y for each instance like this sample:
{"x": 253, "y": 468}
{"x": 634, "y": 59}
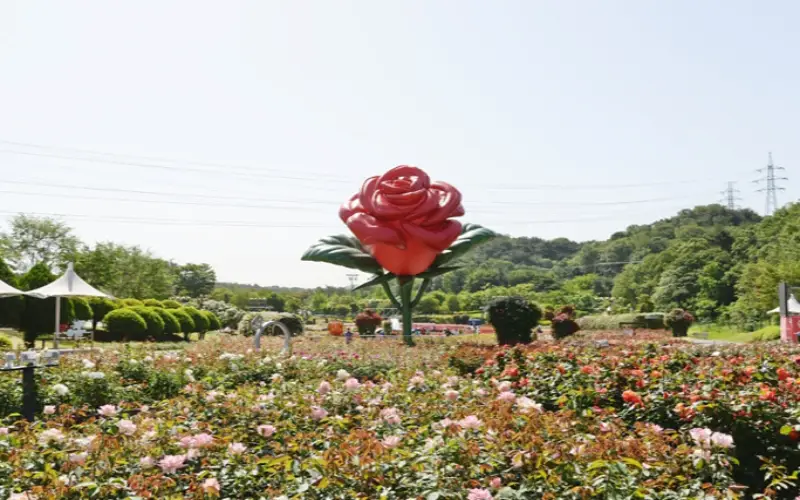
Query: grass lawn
{"x": 731, "y": 334}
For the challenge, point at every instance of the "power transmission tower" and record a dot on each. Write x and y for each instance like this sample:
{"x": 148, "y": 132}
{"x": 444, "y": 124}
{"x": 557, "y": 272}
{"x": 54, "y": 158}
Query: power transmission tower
{"x": 353, "y": 280}
{"x": 730, "y": 196}
{"x": 771, "y": 187}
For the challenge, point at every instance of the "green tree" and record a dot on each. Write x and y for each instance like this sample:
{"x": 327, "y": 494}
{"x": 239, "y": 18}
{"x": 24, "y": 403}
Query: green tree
{"x": 10, "y": 307}
{"x": 126, "y": 271}
{"x": 38, "y": 315}
{"x": 33, "y": 240}
{"x": 100, "y": 308}
{"x": 427, "y": 305}
{"x": 196, "y": 279}
{"x": 453, "y": 305}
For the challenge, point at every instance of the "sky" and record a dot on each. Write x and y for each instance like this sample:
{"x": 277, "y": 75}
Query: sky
{"x": 229, "y": 132}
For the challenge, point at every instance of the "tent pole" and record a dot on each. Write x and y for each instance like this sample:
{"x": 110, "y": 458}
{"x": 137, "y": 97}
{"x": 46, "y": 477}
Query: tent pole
{"x": 58, "y": 322}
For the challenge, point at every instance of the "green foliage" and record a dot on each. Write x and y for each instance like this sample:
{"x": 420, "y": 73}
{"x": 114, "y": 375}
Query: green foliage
{"x": 213, "y": 321}
{"x": 679, "y": 322}
{"x": 199, "y": 319}
{"x": 38, "y": 315}
{"x": 5, "y": 343}
{"x": 152, "y": 303}
{"x": 513, "y": 318}
{"x": 186, "y": 322}
{"x": 171, "y": 304}
{"x": 125, "y": 271}
{"x": 171, "y": 324}
{"x": 131, "y": 303}
{"x": 10, "y": 307}
{"x": 155, "y": 323}
{"x": 38, "y": 240}
{"x": 100, "y": 307}
{"x": 125, "y": 323}
{"x": 83, "y": 310}
{"x": 196, "y": 279}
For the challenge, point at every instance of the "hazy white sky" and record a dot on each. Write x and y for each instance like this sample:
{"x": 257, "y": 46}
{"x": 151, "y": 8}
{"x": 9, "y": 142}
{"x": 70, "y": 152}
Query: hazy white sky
{"x": 522, "y": 105}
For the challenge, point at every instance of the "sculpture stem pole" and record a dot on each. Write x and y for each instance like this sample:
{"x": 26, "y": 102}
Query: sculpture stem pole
{"x": 406, "y": 287}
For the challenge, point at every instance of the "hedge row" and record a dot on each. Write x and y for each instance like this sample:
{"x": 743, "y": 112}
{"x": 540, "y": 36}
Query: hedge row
{"x": 141, "y": 322}
{"x": 612, "y": 322}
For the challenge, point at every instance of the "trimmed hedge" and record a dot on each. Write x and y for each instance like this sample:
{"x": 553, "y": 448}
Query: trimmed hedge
{"x": 125, "y": 323}
{"x": 186, "y": 321}
{"x": 83, "y": 311}
{"x": 153, "y": 303}
{"x": 171, "y": 324}
{"x": 131, "y": 302}
{"x": 214, "y": 323}
{"x": 171, "y": 304}
{"x": 200, "y": 320}
{"x": 653, "y": 321}
{"x": 155, "y": 325}
{"x": 100, "y": 307}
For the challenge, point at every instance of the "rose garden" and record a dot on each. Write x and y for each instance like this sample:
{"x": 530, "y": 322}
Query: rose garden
{"x": 523, "y": 414}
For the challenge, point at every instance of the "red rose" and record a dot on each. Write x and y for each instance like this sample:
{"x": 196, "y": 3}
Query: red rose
{"x": 631, "y": 397}
{"x": 402, "y": 218}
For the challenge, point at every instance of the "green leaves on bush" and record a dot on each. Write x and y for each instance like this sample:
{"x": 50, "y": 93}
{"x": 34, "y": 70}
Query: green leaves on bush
{"x": 171, "y": 324}
{"x": 125, "y": 323}
{"x": 213, "y": 321}
{"x": 171, "y": 304}
{"x": 83, "y": 311}
{"x": 153, "y": 303}
{"x": 186, "y": 322}
{"x": 513, "y": 318}
{"x": 131, "y": 302}
{"x": 199, "y": 319}
{"x": 155, "y": 324}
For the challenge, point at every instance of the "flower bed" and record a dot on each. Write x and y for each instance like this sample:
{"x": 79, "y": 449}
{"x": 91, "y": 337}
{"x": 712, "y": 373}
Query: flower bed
{"x": 385, "y": 421}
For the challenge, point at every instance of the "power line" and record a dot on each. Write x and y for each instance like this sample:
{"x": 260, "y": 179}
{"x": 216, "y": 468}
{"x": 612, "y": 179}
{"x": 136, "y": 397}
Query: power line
{"x": 771, "y": 187}
{"x": 311, "y": 177}
{"x": 206, "y": 196}
{"x": 730, "y": 197}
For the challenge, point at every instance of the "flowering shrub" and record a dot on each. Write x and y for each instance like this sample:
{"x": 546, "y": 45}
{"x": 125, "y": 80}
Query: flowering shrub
{"x": 217, "y": 419}
{"x": 367, "y": 322}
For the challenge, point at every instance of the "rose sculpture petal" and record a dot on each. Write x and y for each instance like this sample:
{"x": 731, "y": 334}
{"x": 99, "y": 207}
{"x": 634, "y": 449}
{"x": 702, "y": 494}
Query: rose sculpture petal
{"x": 403, "y": 223}
{"x": 403, "y": 219}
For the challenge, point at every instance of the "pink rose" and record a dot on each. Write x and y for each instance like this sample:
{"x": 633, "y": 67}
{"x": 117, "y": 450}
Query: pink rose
{"x": 266, "y": 430}
{"x": 171, "y": 463}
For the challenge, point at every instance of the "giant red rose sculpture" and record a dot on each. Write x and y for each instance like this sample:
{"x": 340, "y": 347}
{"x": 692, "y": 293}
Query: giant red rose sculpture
{"x": 404, "y": 230}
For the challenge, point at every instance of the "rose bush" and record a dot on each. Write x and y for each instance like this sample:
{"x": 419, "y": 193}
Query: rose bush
{"x": 380, "y": 420}
{"x": 403, "y": 219}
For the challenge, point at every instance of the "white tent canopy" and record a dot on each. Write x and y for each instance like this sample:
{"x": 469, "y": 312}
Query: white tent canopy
{"x": 7, "y": 290}
{"x": 68, "y": 285}
{"x": 793, "y": 306}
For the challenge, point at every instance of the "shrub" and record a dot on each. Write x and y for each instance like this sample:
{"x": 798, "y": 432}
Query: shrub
{"x": 387, "y": 327}
{"x": 214, "y": 323}
{"x": 83, "y": 311}
{"x": 563, "y": 326}
{"x": 461, "y": 319}
{"x": 171, "y": 324}
{"x": 131, "y": 302}
{"x": 679, "y": 322}
{"x": 38, "y": 315}
{"x": 5, "y": 343}
{"x": 125, "y": 323}
{"x": 171, "y": 304}
{"x": 155, "y": 324}
{"x": 153, "y": 303}
{"x": 200, "y": 320}
{"x": 513, "y": 318}
{"x": 292, "y": 321}
{"x": 10, "y": 307}
{"x": 100, "y": 307}
{"x": 367, "y": 322}
{"x": 186, "y": 322}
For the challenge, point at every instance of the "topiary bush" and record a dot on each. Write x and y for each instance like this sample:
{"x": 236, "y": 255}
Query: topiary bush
{"x": 100, "y": 307}
{"x": 367, "y": 322}
{"x": 155, "y": 324}
{"x": 563, "y": 323}
{"x": 213, "y": 321}
{"x": 186, "y": 321}
{"x": 171, "y": 324}
{"x": 131, "y": 302}
{"x": 171, "y": 304}
{"x": 679, "y": 322}
{"x": 125, "y": 323}
{"x": 83, "y": 311}
{"x": 513, "y": 318}
{"x": 200, "y": 320}
{"x": 153, "y": 303}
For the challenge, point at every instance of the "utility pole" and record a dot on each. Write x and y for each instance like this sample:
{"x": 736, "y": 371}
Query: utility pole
{"x": 353, "y": 280}
{"x": 771, "y": 188}
{"x": 730, "y": 197}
